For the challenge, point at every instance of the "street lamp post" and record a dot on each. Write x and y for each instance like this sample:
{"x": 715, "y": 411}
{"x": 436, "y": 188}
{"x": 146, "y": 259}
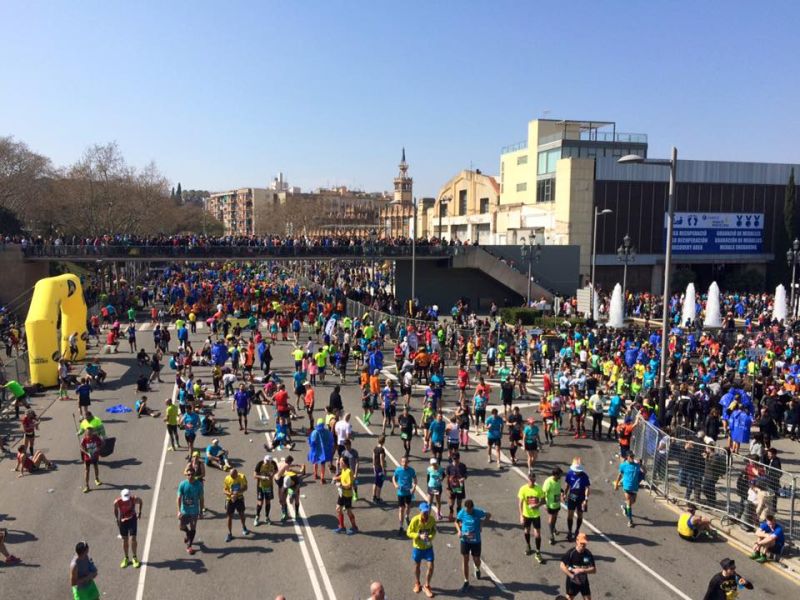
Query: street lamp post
{"x": 625, "y": 254}
{"x": 442, "y": 203}
{"x": 373, "y": 239}
{"x": 672, "y": 164}
{"x": 792, "y": 259}
{"x": 602, "y": 213}
{"x": 531, "y": 252}
{"x": 414, "y": 253}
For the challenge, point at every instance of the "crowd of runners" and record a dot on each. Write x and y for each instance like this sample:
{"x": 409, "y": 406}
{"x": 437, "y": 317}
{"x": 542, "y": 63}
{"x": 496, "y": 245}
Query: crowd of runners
{"x": 444, "y": 388}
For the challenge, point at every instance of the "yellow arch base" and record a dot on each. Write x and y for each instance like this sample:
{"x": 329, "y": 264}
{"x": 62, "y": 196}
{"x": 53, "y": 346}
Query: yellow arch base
{"x": 53, "y": 296}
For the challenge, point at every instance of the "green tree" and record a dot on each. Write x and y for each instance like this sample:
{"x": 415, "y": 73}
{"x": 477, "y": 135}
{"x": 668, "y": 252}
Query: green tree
{"x": 178, "y": 193}
{"x": 788, "y": 208}
{"x": 172, "y": 193}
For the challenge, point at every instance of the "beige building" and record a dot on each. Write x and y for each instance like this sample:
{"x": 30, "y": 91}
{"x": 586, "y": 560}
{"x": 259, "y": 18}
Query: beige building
{"x": 463, "y": 210}
{"x": 238, "y": 210}
{"x": 547, "y": 182}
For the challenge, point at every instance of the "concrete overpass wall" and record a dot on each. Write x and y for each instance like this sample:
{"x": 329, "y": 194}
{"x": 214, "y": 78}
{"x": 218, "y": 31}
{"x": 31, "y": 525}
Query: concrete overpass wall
{"x": 18, "y": 277}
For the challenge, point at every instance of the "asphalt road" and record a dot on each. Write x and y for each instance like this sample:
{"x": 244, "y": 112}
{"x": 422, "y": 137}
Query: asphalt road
{"x": 47, "y": 513}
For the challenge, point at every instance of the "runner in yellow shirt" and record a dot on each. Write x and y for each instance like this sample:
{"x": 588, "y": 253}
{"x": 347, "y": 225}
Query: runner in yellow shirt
{"x": 531, "y": 497}
{"x": 234, "y": 486}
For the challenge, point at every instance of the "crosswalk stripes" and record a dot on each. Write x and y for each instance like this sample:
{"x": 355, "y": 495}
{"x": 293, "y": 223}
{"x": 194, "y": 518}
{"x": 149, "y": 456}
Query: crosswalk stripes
{"x": 171, "y": 327}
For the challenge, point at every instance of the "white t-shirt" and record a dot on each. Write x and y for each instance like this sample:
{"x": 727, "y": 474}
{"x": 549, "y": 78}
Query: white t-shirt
{"x": 343, "y": 431}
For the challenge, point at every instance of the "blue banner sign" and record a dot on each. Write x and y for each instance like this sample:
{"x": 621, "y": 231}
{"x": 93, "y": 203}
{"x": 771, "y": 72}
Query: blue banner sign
{"x": 717, "y": 233}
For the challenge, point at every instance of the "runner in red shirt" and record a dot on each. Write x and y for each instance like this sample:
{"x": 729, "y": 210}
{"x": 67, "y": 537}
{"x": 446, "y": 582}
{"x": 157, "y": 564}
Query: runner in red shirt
{"x": 30, "y": 423}
{"x": 90, "y": 453}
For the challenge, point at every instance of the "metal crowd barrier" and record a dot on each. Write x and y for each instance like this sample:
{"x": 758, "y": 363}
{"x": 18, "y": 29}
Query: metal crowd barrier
{"x": 685, "y": 468}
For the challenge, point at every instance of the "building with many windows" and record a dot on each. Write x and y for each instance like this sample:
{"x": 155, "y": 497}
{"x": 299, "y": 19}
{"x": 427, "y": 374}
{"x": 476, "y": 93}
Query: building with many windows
{"x": 240, "y": 209}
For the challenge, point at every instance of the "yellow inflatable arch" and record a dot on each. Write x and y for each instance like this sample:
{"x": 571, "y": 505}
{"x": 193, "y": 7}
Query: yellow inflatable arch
{"x": 54, "y": 296}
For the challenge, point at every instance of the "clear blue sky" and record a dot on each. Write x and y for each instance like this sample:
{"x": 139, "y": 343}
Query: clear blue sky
{"x": 223, "y": 94}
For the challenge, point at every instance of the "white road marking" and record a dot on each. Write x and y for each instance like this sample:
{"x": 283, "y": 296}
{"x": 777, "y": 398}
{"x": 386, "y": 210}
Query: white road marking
{"x": 614, "y": 544}
{"x": 422, "y": 493}
{"x": 307, "y": 559}
{"x": 151, "y": 525}
{"x": 325, "y": 579}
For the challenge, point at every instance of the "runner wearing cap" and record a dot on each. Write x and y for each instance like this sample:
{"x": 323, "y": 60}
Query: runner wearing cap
{"x": 725, "y": 584}
{"x": 127, "y": 517}
{"x": 468, "y": 527}
{"x": 531, "y": 497}
{"x": 577, "y": 564}
{"x": 422, "y": 530}
{"x": 576, "y": 494}
{"x": 191, "y": 505}
{"x": 264, "y": 474}
{"x": 436, "y": 476}
{"x": 531, "y": 441}
{"x": 630, "y": 474}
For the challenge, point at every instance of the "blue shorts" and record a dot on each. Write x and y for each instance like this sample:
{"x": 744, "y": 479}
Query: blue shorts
{"x": 418, "y": 555}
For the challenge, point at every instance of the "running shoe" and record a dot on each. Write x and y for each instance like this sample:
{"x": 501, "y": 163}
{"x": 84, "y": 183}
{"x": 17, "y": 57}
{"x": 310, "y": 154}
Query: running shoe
{"x": 477, "y": 573}
{"x": 245, "y": 531}
{"x": 755, "y": 555}
{"x": 255, "y": 521}
{"x": 86, "y": 490}
{"x": 13, "y": 560}
{"x": 125, "y": 562}
{"x": 339, "y": 530}
{"x": 98, "y": 482}
{"x": 538, "y": 556}
{"x": 428, "y": 591}
{"x": 528, "y": 552}
{"x": 352, "y": 531}
{"x": 190, "y": 550}
{"x": 136, "y": 563}
{"x": 552, "y": 540}
{"x": 417, "y": 588}
{"x": 762, "y": 559}
{"x": 228, "y": 537}
{"x": 464, "y": 587}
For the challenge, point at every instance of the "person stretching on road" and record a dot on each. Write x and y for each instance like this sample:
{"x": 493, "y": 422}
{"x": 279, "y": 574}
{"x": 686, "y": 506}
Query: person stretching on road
{"x": 31, "y": 464}
{"x": 127, "y": 517}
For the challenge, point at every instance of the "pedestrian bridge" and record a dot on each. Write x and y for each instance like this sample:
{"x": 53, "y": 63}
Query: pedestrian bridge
{"x": 153, "y": 253}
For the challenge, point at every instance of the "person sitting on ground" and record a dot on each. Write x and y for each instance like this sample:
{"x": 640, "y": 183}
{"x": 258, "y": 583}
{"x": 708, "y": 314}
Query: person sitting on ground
{"x": 31, "y": 465}
{"x": 282, "y": 435}
{"x": 208, "y": 423}
{"x": 142, "y": 358}
{"x": 217, "y": 456}
{"x": 143, "y": 383}
{"x": 769, "y": 540}
{"x": 142, "y": 408}
{"x": 690, "y": 525}
{"x": 95, "y": 373}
